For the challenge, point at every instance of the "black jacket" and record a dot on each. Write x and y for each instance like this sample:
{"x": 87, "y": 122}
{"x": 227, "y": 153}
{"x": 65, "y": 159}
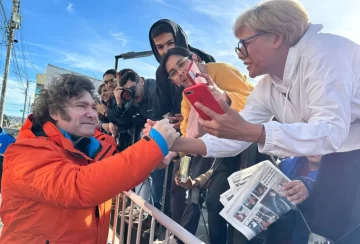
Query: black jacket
{"x": 168, "y": 96}
{"x": 123, "y": 121}
{"x": 136, "y": 114}
{"x": 146, "y": 105}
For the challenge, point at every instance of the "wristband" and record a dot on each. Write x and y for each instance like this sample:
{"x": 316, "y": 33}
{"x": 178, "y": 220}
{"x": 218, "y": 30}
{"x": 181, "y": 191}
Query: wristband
{"x": 159, "y": 139}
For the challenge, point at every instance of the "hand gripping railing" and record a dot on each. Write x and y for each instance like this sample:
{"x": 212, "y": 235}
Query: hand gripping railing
{"x": 157, "y": 215}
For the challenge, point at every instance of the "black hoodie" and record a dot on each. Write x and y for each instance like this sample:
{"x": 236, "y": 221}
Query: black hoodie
{"x": 168, "y": 96}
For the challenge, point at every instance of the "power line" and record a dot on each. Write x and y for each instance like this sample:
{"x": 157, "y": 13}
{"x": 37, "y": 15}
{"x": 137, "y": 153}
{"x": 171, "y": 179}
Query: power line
{"x": 18, "y": 74}
{"x": 3, "y": 13}
{"x": 23, "y": 40}
{"x": 13, "y": 24}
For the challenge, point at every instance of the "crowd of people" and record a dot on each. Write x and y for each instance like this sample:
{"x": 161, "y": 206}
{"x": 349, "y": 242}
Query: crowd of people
{"x": 76, "y": 152}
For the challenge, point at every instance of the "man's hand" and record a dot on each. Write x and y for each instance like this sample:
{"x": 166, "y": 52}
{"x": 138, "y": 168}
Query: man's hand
{"x": 167, "y": 131}
{"x": 230, "y": 125}
{"x": 189, "y": 184}
{"x": 147, "y": 127}
{"x": 179, "y": 118}
{"x": 101, "y": 108}
{"x": 220, "y": 95}
{"x": 112, "y": 128}
{"x": 166, "y": 161}
{"x": 106, "y": 127}
{"x": 117, "y": 94}
{"x": 295, "y": 191}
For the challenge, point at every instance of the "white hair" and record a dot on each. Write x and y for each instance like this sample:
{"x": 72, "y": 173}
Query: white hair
{"x": 286, "y": 17}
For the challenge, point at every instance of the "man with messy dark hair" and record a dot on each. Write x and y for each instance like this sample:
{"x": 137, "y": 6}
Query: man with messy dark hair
{"x": 60, "y": 175}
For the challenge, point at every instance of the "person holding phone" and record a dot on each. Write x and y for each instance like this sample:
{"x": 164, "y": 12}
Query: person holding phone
{"x": 311, "y": 85}
{"x": 164, "y": 35}
{"x": 176, "y": 63}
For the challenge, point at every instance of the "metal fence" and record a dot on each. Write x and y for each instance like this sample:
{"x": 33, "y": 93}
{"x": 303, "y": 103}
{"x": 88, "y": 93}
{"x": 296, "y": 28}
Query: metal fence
{"x": 131, "y": 204}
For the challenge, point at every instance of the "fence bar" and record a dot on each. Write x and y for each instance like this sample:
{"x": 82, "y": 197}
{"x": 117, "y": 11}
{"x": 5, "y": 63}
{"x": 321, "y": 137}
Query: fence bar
{"x": 164, "y": 220}
{"x": 122, "y": 225}
{"x": 139, "y": 226}
{"x": 116, "y": 214}
{"x": 130, "y": 223}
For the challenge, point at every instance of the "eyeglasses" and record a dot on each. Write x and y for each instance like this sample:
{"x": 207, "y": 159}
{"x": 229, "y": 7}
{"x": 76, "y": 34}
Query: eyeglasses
{"x": 241, "y": 49}
{"x": 179, "y": 67}
{"x": 110, "y": 80}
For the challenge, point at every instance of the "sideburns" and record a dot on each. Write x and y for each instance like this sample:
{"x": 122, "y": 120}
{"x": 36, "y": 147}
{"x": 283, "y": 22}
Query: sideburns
{"x": 64, "y": 115}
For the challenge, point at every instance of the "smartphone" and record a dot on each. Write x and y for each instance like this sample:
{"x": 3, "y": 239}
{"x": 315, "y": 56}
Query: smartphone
{"x": 201, "y": 93}
{"x": 166, "y": 116}
{"x": 191, "y": 72}
{"x": 184, "y": 168}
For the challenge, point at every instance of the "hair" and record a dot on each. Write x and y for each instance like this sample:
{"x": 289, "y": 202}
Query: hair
{"x": 130, "y": 75}
{"x": 100, "y": 88}
{"x": 174, "y": 51}
{"x": 123, "y": 71}
{"x": 54, "y": 98}
{"x": 160, "y": 29}
{"x": 286, "y": 17}
{"x": 110, "y": 72}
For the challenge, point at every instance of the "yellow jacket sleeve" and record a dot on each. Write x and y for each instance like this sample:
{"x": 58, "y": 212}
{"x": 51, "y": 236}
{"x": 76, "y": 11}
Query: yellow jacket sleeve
{"x": 185, "y": 111}
{"x": 229, "y": 79}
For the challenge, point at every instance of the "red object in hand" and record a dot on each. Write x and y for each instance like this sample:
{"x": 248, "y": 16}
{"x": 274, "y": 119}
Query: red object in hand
{"x": 200, "y": 93}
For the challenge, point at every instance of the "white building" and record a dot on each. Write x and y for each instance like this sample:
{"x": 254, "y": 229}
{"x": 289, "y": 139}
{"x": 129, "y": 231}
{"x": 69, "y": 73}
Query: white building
{"x": 53, "y": 71}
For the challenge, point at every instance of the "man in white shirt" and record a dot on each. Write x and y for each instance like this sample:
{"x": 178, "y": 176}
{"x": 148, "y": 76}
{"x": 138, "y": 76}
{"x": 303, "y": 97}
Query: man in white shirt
{"x": 311, "y": 86}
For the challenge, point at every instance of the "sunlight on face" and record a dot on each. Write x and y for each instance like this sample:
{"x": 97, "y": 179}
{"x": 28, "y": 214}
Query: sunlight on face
{"x": 259, "y": 52}
{"x": 82, "y": 114}
{"x": 176, "y": 67}
{"x": 164, "y": 42}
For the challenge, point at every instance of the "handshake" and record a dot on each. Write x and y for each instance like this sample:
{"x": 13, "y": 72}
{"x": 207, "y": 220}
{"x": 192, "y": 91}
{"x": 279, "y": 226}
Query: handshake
{"x": 164, "y": 127}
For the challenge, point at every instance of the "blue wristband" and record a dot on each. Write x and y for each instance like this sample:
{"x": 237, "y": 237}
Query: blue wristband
{"x": 159, "y": 139}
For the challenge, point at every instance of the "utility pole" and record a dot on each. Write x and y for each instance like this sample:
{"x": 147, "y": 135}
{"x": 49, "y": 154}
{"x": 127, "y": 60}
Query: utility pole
{"x": 12, "y": 25}
{"x": 26, "y": 93}
{"x": 29, "y": 104}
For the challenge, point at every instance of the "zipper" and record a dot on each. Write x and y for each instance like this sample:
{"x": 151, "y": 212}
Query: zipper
{"x": 107, "y": 150}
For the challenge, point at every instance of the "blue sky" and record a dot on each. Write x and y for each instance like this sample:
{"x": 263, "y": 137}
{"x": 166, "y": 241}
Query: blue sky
{"x": 84, "y": 36}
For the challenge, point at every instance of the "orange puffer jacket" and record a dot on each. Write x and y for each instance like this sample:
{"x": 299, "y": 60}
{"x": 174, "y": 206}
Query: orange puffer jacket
{"x": 53, "y": 192}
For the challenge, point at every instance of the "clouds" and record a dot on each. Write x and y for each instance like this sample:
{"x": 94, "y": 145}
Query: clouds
{"x": 338, "y": 17}
{"x": 85, "y": 37}
{"x": 90, "y": 46}
{"x": 15, "y": 97}
{"x": 70, "y": 8}
{"x": 119, "y": 36}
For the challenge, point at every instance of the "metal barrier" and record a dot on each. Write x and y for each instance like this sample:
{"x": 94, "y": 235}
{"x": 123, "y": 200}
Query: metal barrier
{"x": 156, "y": 214}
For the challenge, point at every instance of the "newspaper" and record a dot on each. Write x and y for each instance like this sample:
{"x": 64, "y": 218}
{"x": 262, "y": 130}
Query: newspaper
{"x": 254, "y": 200}
{"x": 237, "y": 182}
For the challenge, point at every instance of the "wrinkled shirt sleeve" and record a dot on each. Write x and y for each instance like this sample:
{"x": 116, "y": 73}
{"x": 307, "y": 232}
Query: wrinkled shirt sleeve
{"x": 254, "y": 112}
